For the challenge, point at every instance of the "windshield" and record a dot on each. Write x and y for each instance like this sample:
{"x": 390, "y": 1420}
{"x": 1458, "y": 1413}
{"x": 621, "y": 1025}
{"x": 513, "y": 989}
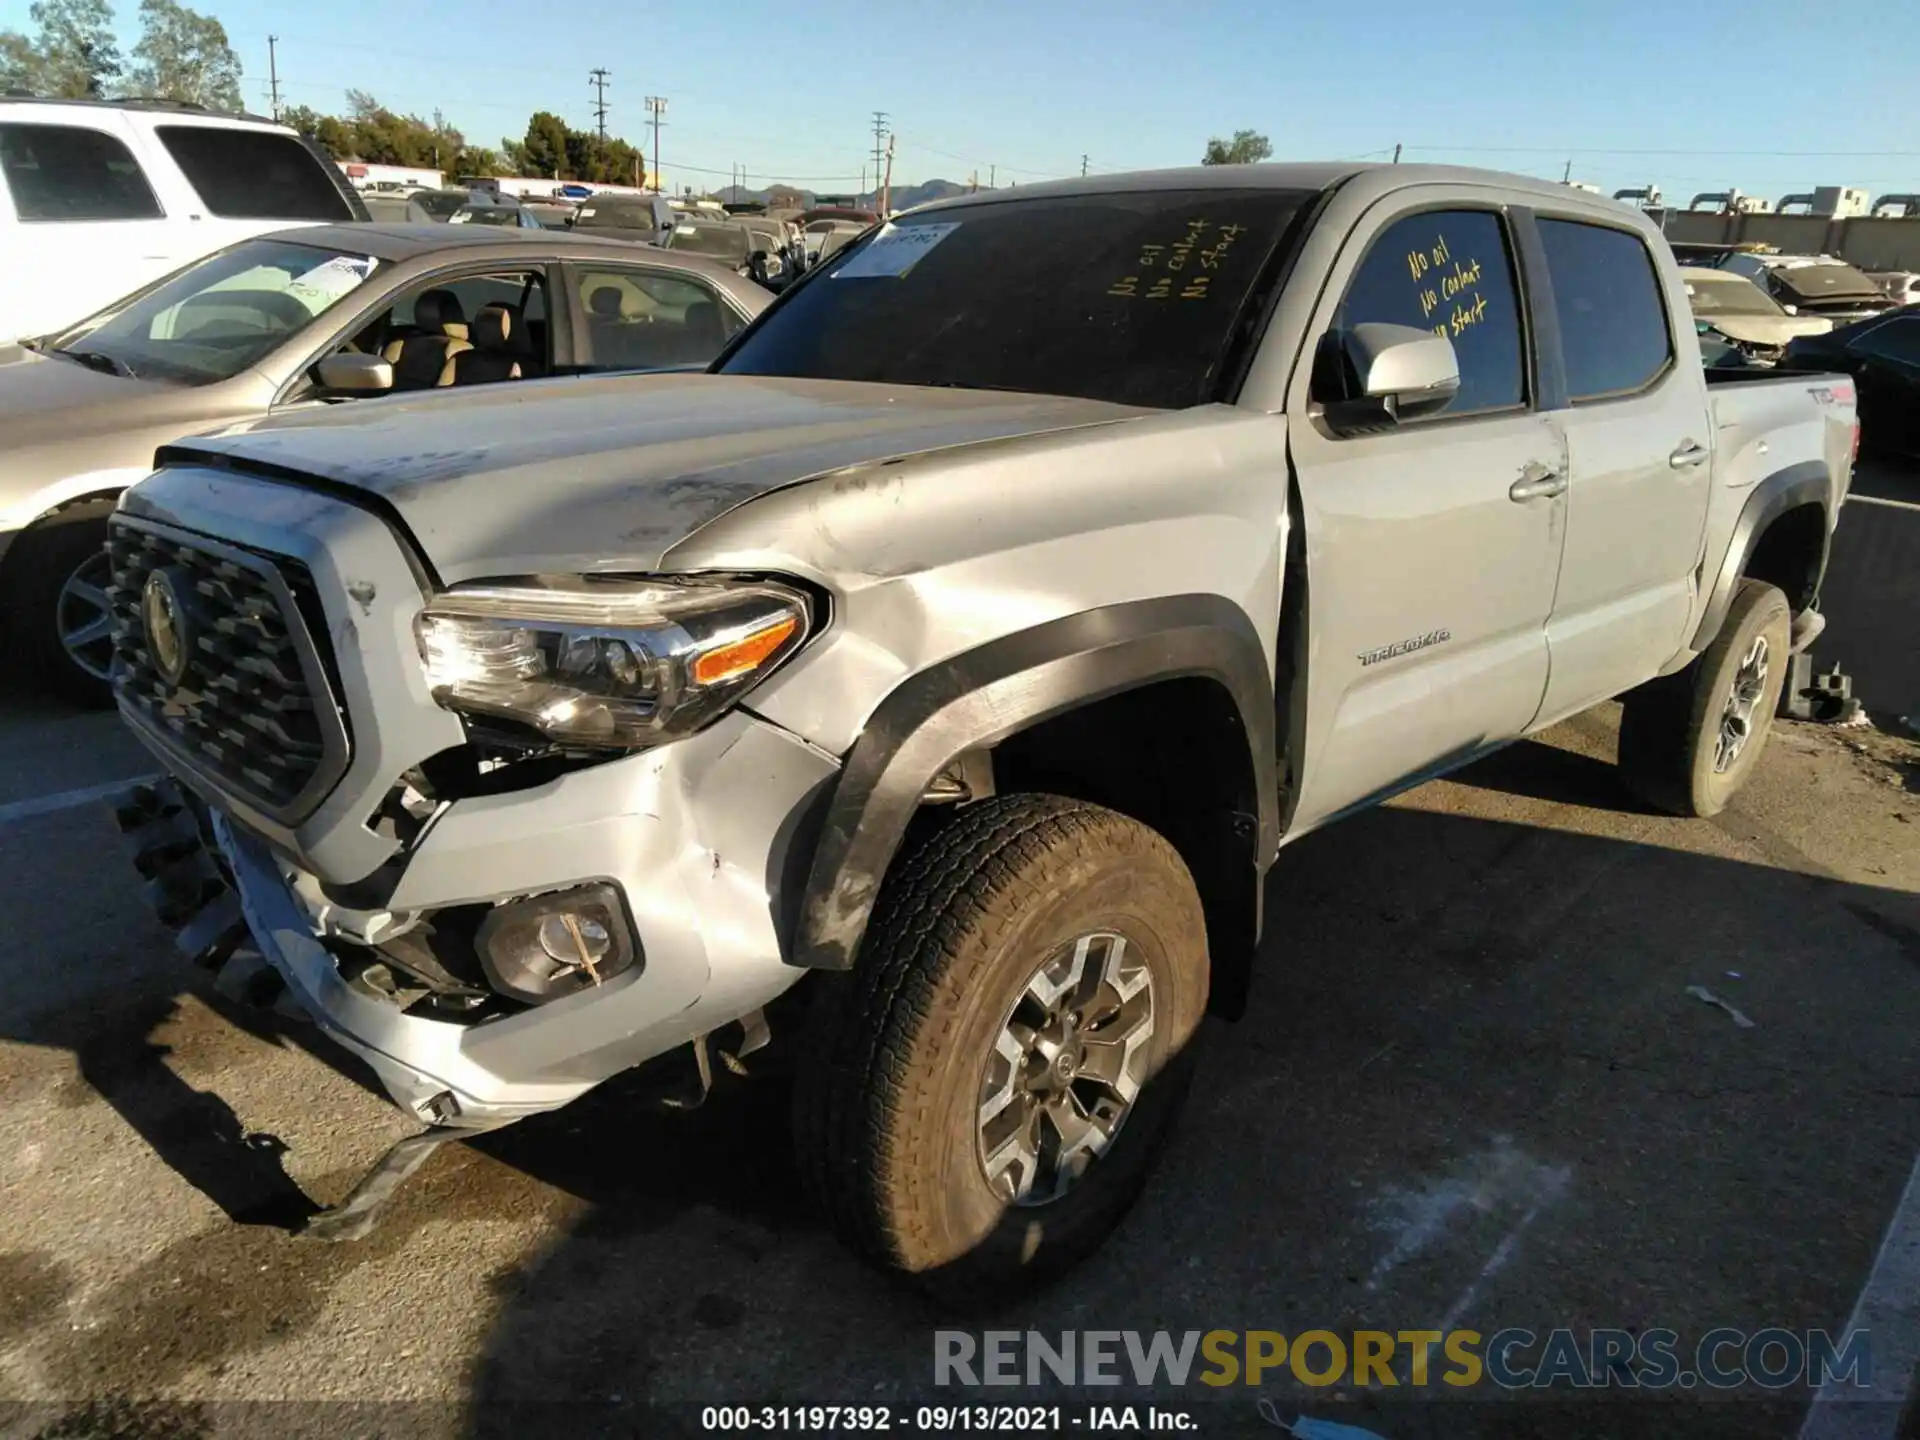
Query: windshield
{"x": 614, "y": 217}
{"x": 438, "y": 203}
{"x": 1133, "y": 298}
{"x": 1732, "y": 296}
{"x": 219, "y": 316}
{"x": 1827, "y": 282}
{"x": 722, "y": 240}
{"x": 484, "y": 215}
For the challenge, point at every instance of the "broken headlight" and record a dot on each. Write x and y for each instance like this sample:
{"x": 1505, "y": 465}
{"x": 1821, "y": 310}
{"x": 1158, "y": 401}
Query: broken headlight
{"x": 627, "y": 663}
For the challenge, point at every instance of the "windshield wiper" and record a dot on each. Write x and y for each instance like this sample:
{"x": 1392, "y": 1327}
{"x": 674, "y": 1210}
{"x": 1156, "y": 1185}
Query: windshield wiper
{"x": 95, "y": 360}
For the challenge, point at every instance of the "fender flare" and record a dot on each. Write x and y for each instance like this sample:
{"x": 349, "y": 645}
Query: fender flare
{"x": 984, "y": 695}
{"x": 1806, "y": 483}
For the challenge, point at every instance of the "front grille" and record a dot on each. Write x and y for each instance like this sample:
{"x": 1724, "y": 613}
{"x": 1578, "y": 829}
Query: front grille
{"x": 252, "y": 709}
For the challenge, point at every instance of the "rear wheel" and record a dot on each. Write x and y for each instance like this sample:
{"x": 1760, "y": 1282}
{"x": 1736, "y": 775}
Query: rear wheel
{"x": 57, "y": 611}
{"x": 988, "y": 1089}
{"x": 1689, "y": 741}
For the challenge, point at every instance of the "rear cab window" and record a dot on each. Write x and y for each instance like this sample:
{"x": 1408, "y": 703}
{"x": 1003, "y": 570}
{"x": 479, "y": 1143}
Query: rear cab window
{"x": 254, "y": 174}
{"x": 1136, "y": 298}
{"x": 71, "y": 173}
{"x": 1614, "y": 335}
{"x": 1451, "y": 272}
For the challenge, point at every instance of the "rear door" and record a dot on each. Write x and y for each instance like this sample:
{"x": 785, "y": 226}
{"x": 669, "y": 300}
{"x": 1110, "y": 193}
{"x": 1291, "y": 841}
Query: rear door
{"x": 87, "y": 222}
{"x": 1430, "y": 583}
{"x": 1640, "y": 448}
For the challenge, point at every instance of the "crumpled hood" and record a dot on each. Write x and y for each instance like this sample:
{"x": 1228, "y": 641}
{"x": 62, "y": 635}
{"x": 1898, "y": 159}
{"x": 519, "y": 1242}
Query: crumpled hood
{"x": 1769, "y": 329}
{"x": 606, "y": 474}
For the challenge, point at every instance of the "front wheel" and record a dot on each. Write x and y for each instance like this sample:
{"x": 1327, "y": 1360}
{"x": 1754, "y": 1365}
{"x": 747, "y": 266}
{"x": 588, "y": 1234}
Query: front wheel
{"x": 1689, "y": 741}
{"x": 57, "y": 611}
{"x": 988, "y": 1089}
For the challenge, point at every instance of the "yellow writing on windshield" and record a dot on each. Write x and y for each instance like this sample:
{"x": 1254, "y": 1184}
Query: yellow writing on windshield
{"x": 1200, "y": 246}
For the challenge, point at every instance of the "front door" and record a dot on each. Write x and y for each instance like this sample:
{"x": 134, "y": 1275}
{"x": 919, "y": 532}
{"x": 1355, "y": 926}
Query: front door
{"x": 1431, "y": 581}
{"x": 1641, "y": 467}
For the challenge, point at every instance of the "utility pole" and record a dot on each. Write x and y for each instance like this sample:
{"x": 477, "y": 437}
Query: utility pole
{"x": 993, "y": 177}
{"x": 656, "y": 107}
{"x": 880, "y": 135}
{"x": 1396, "y": 154}
{"x": 1566, "y": 175}
{"x": 1083, "y": 167}
{"x": 886, "y": 185}
{"x": 598, "y": 79}
{"x": 273, "y": 73}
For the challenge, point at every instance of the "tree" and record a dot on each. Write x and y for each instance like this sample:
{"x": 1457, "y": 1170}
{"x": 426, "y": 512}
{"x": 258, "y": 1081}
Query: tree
{"x": 1246, "y": 147}
{"x": 21, "y": 65}
{"x": 477, "y": 161}
{"x": 513, "y": 158}
{"x": 546, "y": 144}
{"x": 78, "y": 55}
{"x": 184, "y": 55}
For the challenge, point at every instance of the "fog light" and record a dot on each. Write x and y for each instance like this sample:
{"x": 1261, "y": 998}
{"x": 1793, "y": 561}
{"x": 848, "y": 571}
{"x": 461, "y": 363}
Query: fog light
{"x": 553, "y": 945}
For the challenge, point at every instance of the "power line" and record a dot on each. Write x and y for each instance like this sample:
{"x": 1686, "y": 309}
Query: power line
{"x": 598, "y": 79}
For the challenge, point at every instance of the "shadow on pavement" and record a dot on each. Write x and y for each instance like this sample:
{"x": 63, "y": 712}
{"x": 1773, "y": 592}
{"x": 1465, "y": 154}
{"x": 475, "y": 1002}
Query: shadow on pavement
{"x": 1472, "y": 1090}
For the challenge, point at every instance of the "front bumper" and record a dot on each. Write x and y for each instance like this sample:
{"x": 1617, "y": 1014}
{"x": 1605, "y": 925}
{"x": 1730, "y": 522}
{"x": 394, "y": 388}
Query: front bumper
{"x": 700, "y": 837}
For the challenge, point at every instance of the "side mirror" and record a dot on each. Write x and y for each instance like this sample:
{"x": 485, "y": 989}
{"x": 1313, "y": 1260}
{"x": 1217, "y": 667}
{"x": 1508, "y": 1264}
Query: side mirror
{"x": 351, "y": 373}
{"x": 1374, "y": 376}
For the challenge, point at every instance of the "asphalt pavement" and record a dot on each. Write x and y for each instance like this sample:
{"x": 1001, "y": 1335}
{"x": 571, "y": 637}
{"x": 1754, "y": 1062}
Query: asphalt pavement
{"x": 1473, "y": 1091}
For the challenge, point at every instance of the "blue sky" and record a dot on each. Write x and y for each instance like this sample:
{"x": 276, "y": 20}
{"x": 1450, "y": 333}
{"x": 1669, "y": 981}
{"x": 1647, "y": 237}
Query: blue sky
{"x": 1765, "y": 96}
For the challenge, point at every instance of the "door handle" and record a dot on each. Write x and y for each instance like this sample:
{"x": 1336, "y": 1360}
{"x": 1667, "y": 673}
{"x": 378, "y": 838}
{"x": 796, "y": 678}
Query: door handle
{"x": 1690, "y": 453}
{"x": 1537, "y": 482}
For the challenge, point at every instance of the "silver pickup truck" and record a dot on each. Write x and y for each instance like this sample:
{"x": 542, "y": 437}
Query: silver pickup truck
{"x": 931, "y": 685}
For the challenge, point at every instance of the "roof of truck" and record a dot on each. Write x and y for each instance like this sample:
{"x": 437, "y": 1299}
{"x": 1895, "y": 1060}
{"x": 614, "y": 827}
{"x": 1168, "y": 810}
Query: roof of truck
{"x": 1297, "y": 175}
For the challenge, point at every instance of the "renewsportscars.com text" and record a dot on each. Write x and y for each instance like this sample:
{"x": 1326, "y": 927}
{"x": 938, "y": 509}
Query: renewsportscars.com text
{"x": 1513, "y": 1359}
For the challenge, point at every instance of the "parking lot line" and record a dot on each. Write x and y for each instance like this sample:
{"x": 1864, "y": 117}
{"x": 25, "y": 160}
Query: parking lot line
{"x": 1889, "y": 1311}
{"x": 66, "y": 799}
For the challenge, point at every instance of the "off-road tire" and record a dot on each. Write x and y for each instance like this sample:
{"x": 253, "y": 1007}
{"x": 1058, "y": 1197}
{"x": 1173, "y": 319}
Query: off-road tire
{"x": 37, "y": 567}
{"x": 1669, "y": 726}
{"x": 888, "y": 1093}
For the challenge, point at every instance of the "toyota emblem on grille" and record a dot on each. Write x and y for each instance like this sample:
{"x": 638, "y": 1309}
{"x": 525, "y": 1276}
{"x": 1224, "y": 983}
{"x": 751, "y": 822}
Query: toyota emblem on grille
{"x": 164, "y": 616}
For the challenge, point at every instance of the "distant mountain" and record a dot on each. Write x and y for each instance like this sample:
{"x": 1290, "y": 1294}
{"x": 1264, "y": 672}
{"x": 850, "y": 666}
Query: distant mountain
{"x": 904, "y": 197}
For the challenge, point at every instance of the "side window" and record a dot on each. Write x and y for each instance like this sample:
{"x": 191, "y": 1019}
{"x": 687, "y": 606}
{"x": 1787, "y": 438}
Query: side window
{"x": 1449, "y": 271}
{"x": 642, "y": 318}
{"x": 1613, "y": 324}
{"x": 65, "y": 172}
{"x": 1896, "y": 340}
{"x": 253, "y": 174}
{"x": 469, "y": 330}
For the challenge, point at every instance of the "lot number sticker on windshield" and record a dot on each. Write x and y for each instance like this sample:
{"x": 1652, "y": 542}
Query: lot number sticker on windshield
{"x": 895, "y": 250}
{"x": 328, "y": 282}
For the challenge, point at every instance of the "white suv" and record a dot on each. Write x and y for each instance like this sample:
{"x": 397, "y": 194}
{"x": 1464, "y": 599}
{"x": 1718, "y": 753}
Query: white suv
{"x": 97, "y": 199}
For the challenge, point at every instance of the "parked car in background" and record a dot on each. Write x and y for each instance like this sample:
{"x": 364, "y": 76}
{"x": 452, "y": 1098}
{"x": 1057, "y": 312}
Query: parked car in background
{"x": 1883, "y": 356}
{"x": 978, "y": 633}
{"x": 727, "y": 240}
{"x": 552, "y": 214}
{"x": 821, "y": 238}
{"x": 1812, "y": 285}
{"x": 645, "y": 218}
{"x": 1902, "y": 286}
{"x": 426, "y": 207}
{"x": 98, "y": 198}
{"x": 575, "y": 191}
{"x": 293, "y": 320}
{"x": 505, "y": 215}
{"x": 1732, "y": 307}
{"x": 863, "y": 218}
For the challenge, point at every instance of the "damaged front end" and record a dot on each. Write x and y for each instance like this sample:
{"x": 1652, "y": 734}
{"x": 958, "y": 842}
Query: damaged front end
{"x": 492, "y": 927}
